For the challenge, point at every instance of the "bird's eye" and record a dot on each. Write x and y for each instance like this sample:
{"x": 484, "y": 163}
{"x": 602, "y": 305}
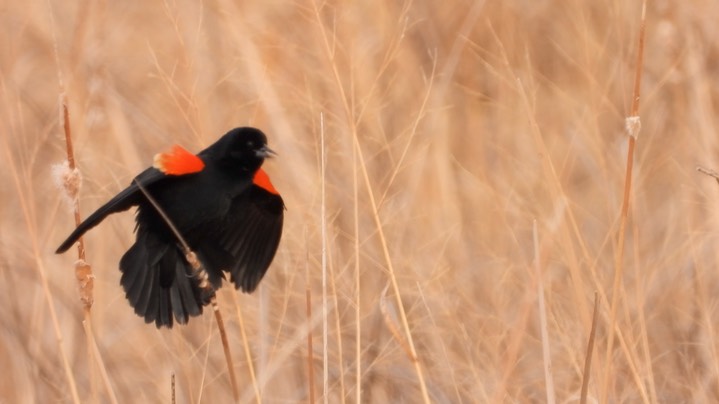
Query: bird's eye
{"x": 250, "y": 144}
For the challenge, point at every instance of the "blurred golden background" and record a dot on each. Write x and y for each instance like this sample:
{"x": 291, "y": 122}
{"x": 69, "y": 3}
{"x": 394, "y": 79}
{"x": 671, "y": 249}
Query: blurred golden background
{"x": 473, "y": 119}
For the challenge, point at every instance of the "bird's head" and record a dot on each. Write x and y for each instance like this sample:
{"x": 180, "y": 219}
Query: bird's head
{"x": 244, "y": 149}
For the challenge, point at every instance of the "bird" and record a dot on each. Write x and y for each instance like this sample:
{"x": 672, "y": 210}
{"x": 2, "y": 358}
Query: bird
{"x": 224, "y": 206}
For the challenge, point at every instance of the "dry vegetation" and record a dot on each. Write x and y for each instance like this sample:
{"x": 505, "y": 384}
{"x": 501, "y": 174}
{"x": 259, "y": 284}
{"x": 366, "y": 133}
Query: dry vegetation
{"x": 474, "y": 120}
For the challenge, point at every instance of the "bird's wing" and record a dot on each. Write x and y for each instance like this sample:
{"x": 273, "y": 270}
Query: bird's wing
{"x": 177, "y": 161}
{"x": 251, "y": 235}
{"x": 127, "y": 198}
{"x": 158, "y": 281}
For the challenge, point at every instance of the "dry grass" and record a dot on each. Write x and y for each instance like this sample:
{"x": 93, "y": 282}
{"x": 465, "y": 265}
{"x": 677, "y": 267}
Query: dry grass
{"x": 448, "y": 130}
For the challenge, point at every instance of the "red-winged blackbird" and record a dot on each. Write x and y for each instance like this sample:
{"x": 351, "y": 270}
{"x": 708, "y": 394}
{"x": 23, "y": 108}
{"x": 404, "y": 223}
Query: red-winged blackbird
{"x": 225, "y": 207}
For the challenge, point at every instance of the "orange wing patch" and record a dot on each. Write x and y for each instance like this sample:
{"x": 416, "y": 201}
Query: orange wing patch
{"x": 262, "y": 180}
{"x": 178, "y": 161}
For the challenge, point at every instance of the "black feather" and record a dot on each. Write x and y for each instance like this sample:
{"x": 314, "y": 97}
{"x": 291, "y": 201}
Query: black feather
{"x": 231, "y": 224}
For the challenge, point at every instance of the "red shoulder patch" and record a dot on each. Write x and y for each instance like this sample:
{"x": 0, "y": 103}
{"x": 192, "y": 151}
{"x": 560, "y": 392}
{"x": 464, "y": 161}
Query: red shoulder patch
{"x": 262, "y": 180}
{"x": 178, "y": 161}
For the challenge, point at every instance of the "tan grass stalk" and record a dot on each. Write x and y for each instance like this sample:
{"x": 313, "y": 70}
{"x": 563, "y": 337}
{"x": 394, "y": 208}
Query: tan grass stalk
{"x": 511, "y": 353}
{"x": 556, "y": 184}
{"x": 390, "y": 320}
{"x": 323, "y": 230}
{"x": 390, "y": 268}
{"x": 590, "y": 352}
{"x": 706, "y": 318}
{"x": 633, "y": 125}
{"x": 246, "y": 347}
{"x": 83, "y": 270}
{"x": 204, "y": 283}
{"x": 338, "y": 330}
{"x": 640, "y": 297}
{"x": 28, "y": 216}
{"x": 413, "y": 132}
{"x": 546, "y": 351}
{"x": 71, "y": 162}
{"x": 358, "y": 288}
{"x": 288, "y": 348}
{"x": 327, "y": 264}
{"x": 631, "y": 362}
{"x": 92, "y": 344}
{"x": 373, "y": 204}
{"x": 226, "y": 347}
{"x": 310, "y": 351}
{"x": 310, "y": 345}
{"x": 205, "y": 364}
{"x": 58, "y": 334}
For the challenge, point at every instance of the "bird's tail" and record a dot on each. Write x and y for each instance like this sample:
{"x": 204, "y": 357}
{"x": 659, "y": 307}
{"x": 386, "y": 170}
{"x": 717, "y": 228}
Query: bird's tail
{"x": 159, "y": 282}
{"x": 123, "y": 201}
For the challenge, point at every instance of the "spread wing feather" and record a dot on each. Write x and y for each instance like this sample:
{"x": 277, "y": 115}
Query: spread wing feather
{"x": 252, "y": 236}
{"x": 158, "y": 281}
{"x": 127, "y": 198}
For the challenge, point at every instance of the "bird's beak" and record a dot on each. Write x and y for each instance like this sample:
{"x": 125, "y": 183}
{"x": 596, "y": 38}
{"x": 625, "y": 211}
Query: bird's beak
{"x": 266, "y": 152}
